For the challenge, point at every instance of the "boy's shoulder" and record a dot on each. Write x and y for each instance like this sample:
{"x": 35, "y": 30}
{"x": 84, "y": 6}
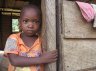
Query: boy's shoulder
{"x": 14, "y": 36}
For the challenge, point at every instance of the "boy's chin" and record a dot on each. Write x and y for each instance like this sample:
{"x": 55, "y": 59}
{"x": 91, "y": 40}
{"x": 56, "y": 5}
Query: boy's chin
{"x": 31, "y": 35}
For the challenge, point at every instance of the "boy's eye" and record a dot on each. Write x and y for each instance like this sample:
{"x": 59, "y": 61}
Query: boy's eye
{"x": 25, "y": 21}
{"x": 36, "y": 21}
{"x": 33, "y": 21}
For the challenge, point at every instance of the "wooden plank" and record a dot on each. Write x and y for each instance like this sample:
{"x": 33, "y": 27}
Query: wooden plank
{"x": 49, "y": 19}
{"x": 77, "y": 54}
{"x": 75, "y": 25}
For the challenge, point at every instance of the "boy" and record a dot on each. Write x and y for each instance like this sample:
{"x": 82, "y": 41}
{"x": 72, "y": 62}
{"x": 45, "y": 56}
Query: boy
{"x": 24, "y": 49}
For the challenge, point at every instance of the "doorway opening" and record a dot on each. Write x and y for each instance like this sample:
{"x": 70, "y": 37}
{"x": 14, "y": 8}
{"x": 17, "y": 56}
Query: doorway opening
{"x": 9, "y": 14}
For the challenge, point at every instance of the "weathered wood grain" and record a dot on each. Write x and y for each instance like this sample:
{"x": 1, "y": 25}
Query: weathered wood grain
{"x": 49, "y": 19}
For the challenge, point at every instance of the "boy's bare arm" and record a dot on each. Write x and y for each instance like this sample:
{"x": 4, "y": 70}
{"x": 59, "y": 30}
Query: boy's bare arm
{"x": 21, "y": 61}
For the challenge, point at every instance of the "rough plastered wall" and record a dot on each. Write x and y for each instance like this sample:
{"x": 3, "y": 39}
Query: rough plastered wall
{"x": 78, "y": 40}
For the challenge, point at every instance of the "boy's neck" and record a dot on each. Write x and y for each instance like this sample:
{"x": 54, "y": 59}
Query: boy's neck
{"x": 28, "y": 37}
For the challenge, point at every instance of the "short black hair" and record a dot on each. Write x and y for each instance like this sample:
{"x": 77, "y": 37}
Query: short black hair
{"x": 30, "y": 6}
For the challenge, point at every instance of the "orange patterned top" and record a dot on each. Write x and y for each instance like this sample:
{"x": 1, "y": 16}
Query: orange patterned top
{"x": 15, "y": 45}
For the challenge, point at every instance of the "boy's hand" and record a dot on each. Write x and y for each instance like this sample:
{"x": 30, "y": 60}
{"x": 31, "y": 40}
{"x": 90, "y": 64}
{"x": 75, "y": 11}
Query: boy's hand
{"x": 48, "y": 57}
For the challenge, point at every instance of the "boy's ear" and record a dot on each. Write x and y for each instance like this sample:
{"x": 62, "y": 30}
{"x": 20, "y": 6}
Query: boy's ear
{"x": 20, "y": 29}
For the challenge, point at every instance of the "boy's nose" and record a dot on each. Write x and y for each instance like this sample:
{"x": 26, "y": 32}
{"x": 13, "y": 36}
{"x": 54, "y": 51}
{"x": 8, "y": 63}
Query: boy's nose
{"x": 30, "y": 25}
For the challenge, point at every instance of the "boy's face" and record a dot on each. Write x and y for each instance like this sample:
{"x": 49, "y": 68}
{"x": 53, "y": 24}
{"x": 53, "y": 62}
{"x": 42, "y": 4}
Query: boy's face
{"x": 29, "y": 22}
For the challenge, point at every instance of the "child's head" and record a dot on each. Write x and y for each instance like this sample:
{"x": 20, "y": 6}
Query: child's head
{"x": 30, "y": 20}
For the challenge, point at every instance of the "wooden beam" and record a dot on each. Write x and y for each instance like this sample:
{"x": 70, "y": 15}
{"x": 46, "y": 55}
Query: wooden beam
{"x": 58, "y": 34}
{"x": 49, "y": 23}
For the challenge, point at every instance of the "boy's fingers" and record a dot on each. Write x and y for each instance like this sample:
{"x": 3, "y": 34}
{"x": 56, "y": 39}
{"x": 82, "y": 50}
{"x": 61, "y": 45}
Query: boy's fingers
{"x": 55, "y": 56}
{"x": 54, "y": 51}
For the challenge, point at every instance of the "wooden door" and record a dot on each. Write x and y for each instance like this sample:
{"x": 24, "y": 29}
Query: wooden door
{"x": 78, "y": 40}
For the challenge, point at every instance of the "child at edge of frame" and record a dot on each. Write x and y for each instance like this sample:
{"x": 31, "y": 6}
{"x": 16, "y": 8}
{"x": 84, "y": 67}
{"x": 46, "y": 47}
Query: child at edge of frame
{"x": 24, "y": 49}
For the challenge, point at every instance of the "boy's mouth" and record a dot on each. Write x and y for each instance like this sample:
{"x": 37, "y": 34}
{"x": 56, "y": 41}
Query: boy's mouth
{"x": 30, "y": 30}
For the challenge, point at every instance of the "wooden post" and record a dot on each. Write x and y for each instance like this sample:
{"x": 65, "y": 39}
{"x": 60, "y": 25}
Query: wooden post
{"x": 59, "y": 3}
{"x": 49, "y": 28}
